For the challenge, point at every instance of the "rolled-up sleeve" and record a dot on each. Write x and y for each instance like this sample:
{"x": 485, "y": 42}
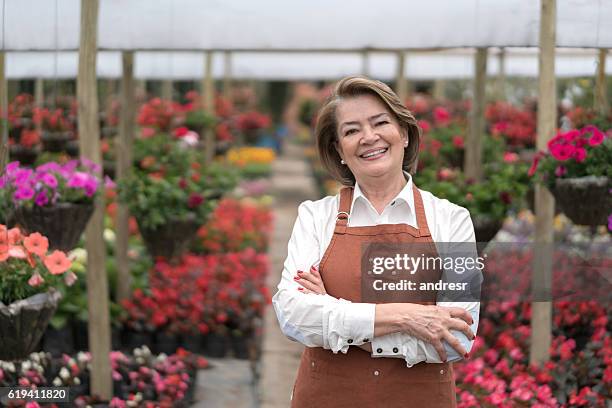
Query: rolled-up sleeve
{"x": 317, "y": 320}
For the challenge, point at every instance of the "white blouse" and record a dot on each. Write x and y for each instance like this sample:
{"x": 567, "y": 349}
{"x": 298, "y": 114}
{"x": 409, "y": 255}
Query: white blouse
{"x": 324, "y": 321}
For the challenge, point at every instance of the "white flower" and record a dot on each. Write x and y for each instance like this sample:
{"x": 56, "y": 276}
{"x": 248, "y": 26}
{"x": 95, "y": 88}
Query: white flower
{"x": 76, "y": 381}
{"x": 109, "y": 236}
{"x": 79, "y": 255}
{"x": 57, "y": 382}
{"x": 64, "y": 373}
{"x": 131, "y": 403}
{"x": 26, "y": 366}
{"x": 82, "y": 357}
{"x": 138, "y": 397}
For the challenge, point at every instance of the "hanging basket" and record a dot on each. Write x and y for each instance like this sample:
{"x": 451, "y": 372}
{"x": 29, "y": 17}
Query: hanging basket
{"x": 55, "y": 142}
{"x": 26, "y": 156}
{"x": 169, "y": 240}
{"x": 62, "y": 223}
{"x": 584, "y": 200}
{"x": 22, "y": 324}
{"x": 486, "y": 228}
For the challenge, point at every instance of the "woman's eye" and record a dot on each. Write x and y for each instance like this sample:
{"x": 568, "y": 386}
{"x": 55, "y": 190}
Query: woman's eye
{"x": 350, "y": 132}
{"x": 382, "y": 122}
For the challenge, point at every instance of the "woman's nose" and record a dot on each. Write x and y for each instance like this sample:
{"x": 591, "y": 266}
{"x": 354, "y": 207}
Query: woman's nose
{"x": 369, "y": 135}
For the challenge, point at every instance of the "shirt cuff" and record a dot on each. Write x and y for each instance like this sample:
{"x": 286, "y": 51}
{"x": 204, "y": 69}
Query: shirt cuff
{"x": 356, "y": 328}
{"x": 397, "y": 345}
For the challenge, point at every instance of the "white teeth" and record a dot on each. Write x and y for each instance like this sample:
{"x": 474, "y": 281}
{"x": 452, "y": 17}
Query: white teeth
{"x": 373, "y": 153}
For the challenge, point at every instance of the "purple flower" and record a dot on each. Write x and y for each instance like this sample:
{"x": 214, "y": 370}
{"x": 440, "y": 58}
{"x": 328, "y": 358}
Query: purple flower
{"x": 90, "y": 188}
{"x": 49, "y": 179}
{"x": 610, "y": 223}
{"x": 11, "y": 167}
{"x": 41, "y": 199}
{"x": 23, "y": 193}
{"x": 51, "y": 166}
{"x": 109, "y": 183}
{"x": 90, "y": 165}
{"x": 21, "y": 176}
{"x": 78, "y": 179}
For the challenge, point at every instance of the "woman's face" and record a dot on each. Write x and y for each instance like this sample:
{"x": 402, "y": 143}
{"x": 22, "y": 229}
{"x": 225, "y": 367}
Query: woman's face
{"x": 370, "y": 140}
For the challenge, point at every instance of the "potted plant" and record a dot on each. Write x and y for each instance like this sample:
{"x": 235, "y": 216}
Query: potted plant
{"x": 55, "y": 199}
{"x": 488, "y": 201}
{"x": 30, "y": 276}
{"x": 171, "y": 194}
{"x": 57, "y": 130}
{"x": 576, "y": 168}
{"x": 251, "y": 124}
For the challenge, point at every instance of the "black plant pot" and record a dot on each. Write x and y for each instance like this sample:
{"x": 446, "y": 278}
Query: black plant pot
{"x": 132, "y": 339}
{"x": 72, "y": 148}
{"x": 240, "y": 346}
{"x": 216, "y": 345}
{"x": 169, "y": 240}
{"x": 55, "y": 141}
{"x": 80, "y": 333}
{"x": 58, "y": 341}
{"x": 585, "y": 200}
{"x": 485, "y": 229}
{"x": 24, "y": 155}
{"x": 193, "y": 343}
{"x": 62, "y": 223}
{"x": 23, "y": 323}
{"x": 166, "y": 343}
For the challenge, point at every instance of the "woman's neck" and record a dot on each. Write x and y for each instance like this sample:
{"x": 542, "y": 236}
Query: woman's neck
{"x": 380, "y": 191}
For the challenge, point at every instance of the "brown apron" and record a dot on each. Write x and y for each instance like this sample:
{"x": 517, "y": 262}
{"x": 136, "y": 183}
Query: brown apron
{"x": 356, "y": 379}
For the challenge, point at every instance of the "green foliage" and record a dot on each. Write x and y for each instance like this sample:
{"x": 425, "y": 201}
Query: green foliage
{"x": 503, "y": 188}
{"x": 199, "y": 120}
{"x": 252, "y": 171}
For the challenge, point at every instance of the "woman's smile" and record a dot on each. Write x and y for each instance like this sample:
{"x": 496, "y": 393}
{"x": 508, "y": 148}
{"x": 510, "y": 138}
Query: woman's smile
{"x": 374, "y": 154}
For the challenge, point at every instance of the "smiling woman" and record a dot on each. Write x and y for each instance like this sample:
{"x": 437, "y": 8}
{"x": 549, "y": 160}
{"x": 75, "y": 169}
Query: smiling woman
{"x": 369, "y": 142}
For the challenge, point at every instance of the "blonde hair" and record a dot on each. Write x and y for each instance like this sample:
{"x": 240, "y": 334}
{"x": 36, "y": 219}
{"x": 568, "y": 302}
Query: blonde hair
{"x": 326, "y": 128}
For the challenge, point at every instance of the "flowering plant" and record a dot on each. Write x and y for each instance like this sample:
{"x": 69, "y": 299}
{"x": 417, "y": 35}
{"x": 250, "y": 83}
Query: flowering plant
{"x": 576, "y": 153}
{"x": 252, "y": 120}
{"x": 52, "y": 121}
{"x": 502, "y": 190}
{"x": 26, "y": 267}
{"x": 222, "y": 234}
{"x": 159, "y": 114}
{"x": 73, "y": 182}
{"x": 516, "y": 125}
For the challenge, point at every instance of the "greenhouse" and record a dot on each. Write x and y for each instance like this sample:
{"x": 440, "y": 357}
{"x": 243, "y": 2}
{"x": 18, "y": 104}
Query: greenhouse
{"x": 234, "y": 204}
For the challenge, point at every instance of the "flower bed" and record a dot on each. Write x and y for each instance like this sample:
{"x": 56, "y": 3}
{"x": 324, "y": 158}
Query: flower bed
{"x": 139, "y": 378}
{"x": 498, "y": 374}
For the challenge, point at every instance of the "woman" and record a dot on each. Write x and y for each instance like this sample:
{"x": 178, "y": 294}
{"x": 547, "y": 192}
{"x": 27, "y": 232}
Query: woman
{"x": 369, "y": 142}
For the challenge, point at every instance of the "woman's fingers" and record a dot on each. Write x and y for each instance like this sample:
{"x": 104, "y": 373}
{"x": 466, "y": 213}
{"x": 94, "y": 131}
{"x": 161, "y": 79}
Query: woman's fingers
{"x": 440, "y": 349}
{"x": 455, "y": 343}
{"x": 310, "y": 282}
{"x": 462, "y": 327}
{"x": 304, "y": 290}
{"x": 460, "y": 313}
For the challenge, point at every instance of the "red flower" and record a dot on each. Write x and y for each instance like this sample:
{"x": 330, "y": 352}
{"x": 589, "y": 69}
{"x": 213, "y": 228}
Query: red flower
{"x": 194, "y": 200}
{"x": 458, "y": 141}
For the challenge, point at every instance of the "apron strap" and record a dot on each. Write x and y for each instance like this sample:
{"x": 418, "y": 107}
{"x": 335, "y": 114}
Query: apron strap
{"x": 420, "y": 212}
{"x": 344, "y": 210}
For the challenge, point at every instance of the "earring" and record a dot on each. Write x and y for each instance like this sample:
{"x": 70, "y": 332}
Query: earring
{"x": 342, "y": 161}
{"x": 406, "y": 144}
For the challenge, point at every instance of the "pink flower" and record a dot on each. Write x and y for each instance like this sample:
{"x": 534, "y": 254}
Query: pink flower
{"x": 69, "y": 278}
{"x": 41, "y": 199}
{"x": 597, "y": 137}
{"x": 510, "y": 157}
{"x": 441, "y": 116}
{"x": 458, "y": 141}
{"x": 580, "y": 154}
{"x": 562, "y": 152}
{"x": 36, "y": 280}
{"x": 560, "y": 171}
{"x": 423, "y": 124}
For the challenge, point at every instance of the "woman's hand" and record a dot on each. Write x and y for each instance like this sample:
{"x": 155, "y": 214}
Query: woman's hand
{"x": 429, "y": 323}
{"x": 311, "y": 281}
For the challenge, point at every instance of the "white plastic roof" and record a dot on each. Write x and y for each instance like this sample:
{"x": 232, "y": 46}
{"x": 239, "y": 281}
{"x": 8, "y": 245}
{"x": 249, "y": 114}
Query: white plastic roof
{"x": 303, "y": 24}
{"x": 451, "y": 64}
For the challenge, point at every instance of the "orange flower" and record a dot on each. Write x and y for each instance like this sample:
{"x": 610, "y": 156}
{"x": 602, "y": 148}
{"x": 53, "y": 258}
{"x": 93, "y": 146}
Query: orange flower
{"x": 147, "y": 162}
{"x": 57, "y": 263}
{"x": 36, "y": 244}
